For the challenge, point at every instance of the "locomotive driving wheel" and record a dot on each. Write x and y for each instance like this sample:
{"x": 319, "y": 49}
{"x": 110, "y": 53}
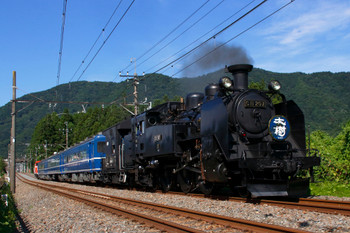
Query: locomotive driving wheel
{"x": 186, "y": 180}
{"x": 206, "y": 187}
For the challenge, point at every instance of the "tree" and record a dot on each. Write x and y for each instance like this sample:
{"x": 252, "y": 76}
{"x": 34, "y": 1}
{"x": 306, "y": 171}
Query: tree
{"x": 47, "y": 137}
{"x": 342, "y": 142}
{"x": 335, "y": 154}
{"x": 50, "y": 133}
{"x": 2, "y": 166}
{"x": 341, "y": 154}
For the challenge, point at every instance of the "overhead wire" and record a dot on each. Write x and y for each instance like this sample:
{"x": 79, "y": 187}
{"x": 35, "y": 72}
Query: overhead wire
{"x": 97, "y": 39}
{"x": 242, "y": 32}
{"x": 201, "y": 36}
{"x": 212, "y": 37}
{"x": 182, "y": 33}
{"x": 216, "y": 34}
{"x": 104, "y": 42}
{"x": 166, "y": 36}
{"x": 61, "y": 41}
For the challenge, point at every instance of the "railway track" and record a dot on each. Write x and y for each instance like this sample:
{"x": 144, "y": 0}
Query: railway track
{"x": 318, "y": 205}
{"x": 164, "y": 218}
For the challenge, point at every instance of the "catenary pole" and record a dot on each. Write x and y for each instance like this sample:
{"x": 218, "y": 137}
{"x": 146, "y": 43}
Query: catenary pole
{"x": 13, "y": 136}
{"x": 136, "y": 80}
{"x": 66, "y": 123}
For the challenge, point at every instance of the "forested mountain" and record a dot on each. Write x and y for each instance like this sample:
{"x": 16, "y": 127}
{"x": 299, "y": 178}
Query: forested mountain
{"x": 324, "y": 98}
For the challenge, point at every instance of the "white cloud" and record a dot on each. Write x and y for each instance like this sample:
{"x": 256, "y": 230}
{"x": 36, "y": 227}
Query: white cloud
{"x": 309, "y": 36}
{"x": 319, "y": 18}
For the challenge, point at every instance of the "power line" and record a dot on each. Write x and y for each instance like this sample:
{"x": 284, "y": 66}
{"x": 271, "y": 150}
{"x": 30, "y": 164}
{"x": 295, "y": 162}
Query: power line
{"x": 172, "y": 31}
{"x": 242, "y": 32}
{"x": 99, "y": 36}
{"x": 61, "y": 43}
{"x": 104, "y": 42}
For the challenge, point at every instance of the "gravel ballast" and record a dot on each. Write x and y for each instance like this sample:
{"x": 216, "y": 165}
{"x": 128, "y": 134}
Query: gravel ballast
{"x": 47, "y": 212}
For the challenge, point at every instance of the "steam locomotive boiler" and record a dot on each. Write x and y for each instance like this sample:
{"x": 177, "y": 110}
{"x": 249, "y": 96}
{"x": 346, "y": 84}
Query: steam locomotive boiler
{"x": 230, "y": 136}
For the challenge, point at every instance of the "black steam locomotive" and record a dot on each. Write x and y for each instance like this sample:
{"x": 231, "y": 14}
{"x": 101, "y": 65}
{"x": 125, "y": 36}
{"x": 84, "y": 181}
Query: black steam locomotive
{"x": 231, "y": 136}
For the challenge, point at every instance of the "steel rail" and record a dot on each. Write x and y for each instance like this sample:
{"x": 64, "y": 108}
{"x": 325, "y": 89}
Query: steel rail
{"x": 318, "y": 205}
{"x": 235, "y": 223}
{"x": 150, "y": 221}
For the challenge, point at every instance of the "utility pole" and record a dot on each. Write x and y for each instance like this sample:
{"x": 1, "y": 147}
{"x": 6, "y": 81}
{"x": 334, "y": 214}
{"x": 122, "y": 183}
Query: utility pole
{"x": 30, "y": 161}
{"x": 66, "y": 123}
{"x": 136, "y": 80}
{"x": 13, "y": 136}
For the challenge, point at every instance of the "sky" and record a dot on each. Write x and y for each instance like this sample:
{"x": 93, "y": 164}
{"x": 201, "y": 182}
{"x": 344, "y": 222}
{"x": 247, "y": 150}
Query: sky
{"x": 304, "y": 36}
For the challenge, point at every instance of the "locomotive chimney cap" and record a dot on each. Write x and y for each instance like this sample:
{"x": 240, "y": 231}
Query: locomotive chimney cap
{"x": 239, "y": 68}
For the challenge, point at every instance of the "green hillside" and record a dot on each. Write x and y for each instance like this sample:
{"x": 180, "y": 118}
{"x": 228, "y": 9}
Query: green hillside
{"x": 324, "y": 98}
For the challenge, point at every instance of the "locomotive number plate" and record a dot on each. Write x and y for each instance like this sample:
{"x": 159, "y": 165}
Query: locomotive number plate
{"x": 254, "y": 104}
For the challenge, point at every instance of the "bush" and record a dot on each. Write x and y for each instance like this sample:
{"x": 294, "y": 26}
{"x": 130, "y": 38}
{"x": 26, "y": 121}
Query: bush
{"x": 335, "y": 154}
{"x": 7, "y": 212}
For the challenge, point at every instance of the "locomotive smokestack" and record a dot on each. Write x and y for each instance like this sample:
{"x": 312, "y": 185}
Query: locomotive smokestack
{"x": 240, "y": 75}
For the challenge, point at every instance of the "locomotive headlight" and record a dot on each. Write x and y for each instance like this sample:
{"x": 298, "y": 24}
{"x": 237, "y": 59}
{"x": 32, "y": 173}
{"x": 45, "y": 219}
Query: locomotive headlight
{"x": 274, "y": 85}
{"x": 225, "y": 82}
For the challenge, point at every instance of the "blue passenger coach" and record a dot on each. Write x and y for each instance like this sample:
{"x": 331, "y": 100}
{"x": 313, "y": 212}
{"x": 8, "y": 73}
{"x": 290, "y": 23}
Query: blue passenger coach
{"x": 82, "y": 162}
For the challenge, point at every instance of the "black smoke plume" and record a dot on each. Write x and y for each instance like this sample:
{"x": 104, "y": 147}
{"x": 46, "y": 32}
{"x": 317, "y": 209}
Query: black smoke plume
{"x": 215, "y": 57}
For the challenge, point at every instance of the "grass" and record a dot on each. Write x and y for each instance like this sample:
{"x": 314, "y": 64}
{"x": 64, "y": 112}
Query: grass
{"x": 328, "y": 188}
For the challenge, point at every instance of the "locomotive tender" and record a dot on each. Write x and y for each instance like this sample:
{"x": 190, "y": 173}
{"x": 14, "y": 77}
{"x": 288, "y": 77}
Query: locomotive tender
{"x": 230, "y": 136}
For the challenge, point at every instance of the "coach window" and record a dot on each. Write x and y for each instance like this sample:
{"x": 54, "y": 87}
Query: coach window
{"x": 75, "y": 156}
{"x": 84, "y": 155}
{"x": 101, "y": 146}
